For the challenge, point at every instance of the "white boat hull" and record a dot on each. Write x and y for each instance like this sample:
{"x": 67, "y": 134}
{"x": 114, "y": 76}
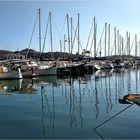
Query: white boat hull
{"x": 46, "y": 71}
{"x": 100, "y": 67}
{"x": 118, "y": 65}
{"x": 11, "y": 75}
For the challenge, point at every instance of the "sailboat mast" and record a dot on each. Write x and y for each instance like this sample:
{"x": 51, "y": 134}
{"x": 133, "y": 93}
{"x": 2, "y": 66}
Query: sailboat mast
{"x": 95, "y": 26}
{"x": 64, "y": 45}
{"x": 39, "y": 11}
{"x": 68, "y": 33}
{"x": 60, "y": 49}
{"x": 51, "y": 34}
{"x": 71, "y": 36}
{"x": 108, "y": 39}
{"x": 139, "y": 47}
{"x": 115, "y": 39}
{"x": 118, "y": 42}
{"x": 122, "y": 47}
{"x": 135, "y": 45}
{"x": 105, "y": 36}
{"x": 78, "y": 33}
{"x": 127, "y": 43}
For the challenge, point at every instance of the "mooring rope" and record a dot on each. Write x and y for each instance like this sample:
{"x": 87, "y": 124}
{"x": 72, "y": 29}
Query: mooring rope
{"x": 113, "y": 116}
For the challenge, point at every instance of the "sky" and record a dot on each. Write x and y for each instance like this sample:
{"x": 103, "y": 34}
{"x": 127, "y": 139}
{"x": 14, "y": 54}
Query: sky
{"x": 17, "y": 19}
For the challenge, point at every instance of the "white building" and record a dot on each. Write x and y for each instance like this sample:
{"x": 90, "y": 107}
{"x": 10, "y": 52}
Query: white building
{"x": 14, "y": 56}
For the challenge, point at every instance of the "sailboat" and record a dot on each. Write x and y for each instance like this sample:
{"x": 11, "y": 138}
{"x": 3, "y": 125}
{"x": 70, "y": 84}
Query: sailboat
{"x": 10, "y": 70}
{"x": 46, "y": 69}
{"x": 27, "y": 67}
{"x": 43, "y": 68}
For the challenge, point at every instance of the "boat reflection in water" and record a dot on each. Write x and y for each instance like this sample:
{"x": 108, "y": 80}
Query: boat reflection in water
{"x": 71, "y": 107}
{"x": 27, "y": 86}
{"x": 20, "y": 86}
{"x": 103, "y": 73}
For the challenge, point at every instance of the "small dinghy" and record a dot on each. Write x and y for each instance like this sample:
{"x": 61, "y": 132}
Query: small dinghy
{"x": 130, "y": 98}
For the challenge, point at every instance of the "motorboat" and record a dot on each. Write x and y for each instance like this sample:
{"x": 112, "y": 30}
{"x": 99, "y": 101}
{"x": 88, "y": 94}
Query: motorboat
{"x": 10, "y": 70}
{"x": 103, "y": 65}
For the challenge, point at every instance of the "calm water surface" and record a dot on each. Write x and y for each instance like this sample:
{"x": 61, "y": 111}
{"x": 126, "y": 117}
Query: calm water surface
{"x": 70, "y": 108}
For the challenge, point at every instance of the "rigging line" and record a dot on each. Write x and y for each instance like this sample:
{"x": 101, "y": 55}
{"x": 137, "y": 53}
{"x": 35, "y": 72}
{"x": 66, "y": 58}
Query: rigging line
{"x": 113, "y": 117}
{"x": 75, "y": 31}
{"x": 45, "y": 34}
{"x": 62, "y": 30}
{"x": 125, "y": 43}
{"x": 91, "y": 43}
{"x": 99, "y": 134}
{"x": 132, "y": 44}
{"x": 122, "y": 47}
{"x": 58, "y": 32}
{"x": 93, "y": 39}
{"x": 77, "y": 36}
{"x": 89, "y": 34}
{"x": 57, "y": 28}
{"x": 32, "y": 34}
{"x": 43, "y": 18}
{"x": 112, "y": 48}
{"x": 99, "y": 45}
{"x": 80, "y": 44}
{"x": 74, "y": 37}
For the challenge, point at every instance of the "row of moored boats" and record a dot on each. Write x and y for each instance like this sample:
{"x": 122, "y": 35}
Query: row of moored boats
{"x": 17, "y": 69}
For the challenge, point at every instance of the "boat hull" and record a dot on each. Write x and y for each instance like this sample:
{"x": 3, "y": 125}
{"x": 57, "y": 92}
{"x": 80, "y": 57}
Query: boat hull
{"x": 46, "y": 71}
{"x": 100, "y": 67}
{"x": 11, "y": 75}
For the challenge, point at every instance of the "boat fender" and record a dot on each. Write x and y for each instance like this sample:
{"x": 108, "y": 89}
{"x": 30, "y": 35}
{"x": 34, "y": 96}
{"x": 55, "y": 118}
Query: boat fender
{"x": 54, "y": 64}
{"x": 5, "y": 69}
{"x": 1, "y": 69}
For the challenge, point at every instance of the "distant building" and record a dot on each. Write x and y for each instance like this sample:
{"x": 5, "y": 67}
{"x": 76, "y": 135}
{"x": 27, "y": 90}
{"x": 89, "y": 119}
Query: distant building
{"x": 14, "y": 56}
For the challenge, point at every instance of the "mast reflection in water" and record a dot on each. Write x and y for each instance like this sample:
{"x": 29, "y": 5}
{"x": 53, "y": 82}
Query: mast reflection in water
{"x": 70, "y": 107}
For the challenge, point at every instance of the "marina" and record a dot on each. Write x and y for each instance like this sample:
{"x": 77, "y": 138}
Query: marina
{"x": 70, "y": 107}
{"x": 69, "y": 70}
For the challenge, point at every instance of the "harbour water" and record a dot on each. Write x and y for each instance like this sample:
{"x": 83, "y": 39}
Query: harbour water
{"x": 70, "y": 107}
